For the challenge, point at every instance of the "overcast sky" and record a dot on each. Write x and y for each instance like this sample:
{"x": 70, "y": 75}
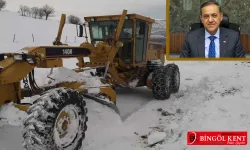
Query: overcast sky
{"x": 151, "y": 8}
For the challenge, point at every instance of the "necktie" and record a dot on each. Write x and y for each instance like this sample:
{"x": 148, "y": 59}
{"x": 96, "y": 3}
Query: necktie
{"x": 211, "y": 53}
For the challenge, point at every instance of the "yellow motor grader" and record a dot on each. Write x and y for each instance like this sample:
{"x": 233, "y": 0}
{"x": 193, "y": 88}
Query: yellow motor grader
{"x": 120, "y": 52}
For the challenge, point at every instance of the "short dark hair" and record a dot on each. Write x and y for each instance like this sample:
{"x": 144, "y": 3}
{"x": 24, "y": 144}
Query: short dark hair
{"x": 209, "y": 3}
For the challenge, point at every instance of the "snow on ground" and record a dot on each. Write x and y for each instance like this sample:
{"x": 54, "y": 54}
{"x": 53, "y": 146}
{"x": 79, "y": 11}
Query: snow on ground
{"x": 12, "y": 115}
{"x": 44, "y": 32}
{"x": 63, "y": 74}
{"x": 213, "y": 96}
{"x": 210, "y": 98}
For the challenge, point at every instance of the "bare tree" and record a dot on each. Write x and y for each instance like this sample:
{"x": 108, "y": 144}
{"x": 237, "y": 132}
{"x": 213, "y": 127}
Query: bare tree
{"x": 74, "y": 19}
{"x": 41, "y": 13}
{"x": 2, "y": 4}
{"x": 23, "y": 10}
{"x": 35, "y": 11}
{"x": 28, "y": 12}
{"x": 48, "y": 10}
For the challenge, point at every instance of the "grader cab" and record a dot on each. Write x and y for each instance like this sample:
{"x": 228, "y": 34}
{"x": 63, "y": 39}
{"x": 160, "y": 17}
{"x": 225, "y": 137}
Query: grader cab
{"x": 121, "y": 53}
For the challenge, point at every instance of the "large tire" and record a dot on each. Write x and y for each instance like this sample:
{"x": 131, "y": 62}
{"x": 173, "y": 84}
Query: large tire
{"x": 160, "y": 84}
{"x": 57, "y": 120}
{"x": 175, "y": 77}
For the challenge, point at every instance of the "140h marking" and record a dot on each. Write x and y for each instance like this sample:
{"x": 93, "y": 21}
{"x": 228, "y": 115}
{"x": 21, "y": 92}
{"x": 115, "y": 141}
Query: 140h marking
{"x": 67, "y": 51}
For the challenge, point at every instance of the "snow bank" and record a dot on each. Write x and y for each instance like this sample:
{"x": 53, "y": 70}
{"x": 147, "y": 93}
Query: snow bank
{"x": 63, "y": 74}
{"x": 12, "y": 115}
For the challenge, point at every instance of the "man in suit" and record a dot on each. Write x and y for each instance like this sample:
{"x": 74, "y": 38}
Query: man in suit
{"x": 212, "y": 41}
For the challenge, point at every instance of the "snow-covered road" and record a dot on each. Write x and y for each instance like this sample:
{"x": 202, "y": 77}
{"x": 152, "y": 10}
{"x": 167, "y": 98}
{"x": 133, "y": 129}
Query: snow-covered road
{"x": 214, "y": 96}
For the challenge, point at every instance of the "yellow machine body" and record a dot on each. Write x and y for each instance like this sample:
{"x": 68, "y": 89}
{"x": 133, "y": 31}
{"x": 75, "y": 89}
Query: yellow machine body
{"x": 121, "y": 57}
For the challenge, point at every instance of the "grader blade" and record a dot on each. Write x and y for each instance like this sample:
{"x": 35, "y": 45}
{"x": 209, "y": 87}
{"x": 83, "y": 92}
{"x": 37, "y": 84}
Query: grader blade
{"x": 103, "y": 101}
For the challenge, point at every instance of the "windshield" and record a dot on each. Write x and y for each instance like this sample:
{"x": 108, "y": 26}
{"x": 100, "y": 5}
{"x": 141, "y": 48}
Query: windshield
{"x": 100, "y": 30}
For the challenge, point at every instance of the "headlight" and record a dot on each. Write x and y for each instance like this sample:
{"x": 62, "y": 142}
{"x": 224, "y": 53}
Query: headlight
{"x": 19, "y": 57}
{"x": 31, "y": 60}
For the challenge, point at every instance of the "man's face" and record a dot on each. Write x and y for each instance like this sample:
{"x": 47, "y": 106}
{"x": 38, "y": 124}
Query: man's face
{"x": 211, "y": 18}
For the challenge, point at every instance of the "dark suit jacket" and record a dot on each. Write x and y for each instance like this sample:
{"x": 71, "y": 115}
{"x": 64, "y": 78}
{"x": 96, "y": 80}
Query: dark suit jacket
{"x": 194, "y": 44}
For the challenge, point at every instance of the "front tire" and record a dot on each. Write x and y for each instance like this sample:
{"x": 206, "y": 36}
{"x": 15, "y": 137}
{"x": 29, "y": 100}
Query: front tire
{"x": 161, "y": 84}
{"x": 57, "y": 120}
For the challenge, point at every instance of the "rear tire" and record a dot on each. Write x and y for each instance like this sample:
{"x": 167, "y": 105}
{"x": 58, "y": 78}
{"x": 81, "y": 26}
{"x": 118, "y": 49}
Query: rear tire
{"x": 161, "y": 84}
{"x": 57, "y": 120}
{"x": 175, "y": 77}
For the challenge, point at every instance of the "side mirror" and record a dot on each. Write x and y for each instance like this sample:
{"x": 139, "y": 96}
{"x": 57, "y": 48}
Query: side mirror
{"x": 79, "y": 30}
